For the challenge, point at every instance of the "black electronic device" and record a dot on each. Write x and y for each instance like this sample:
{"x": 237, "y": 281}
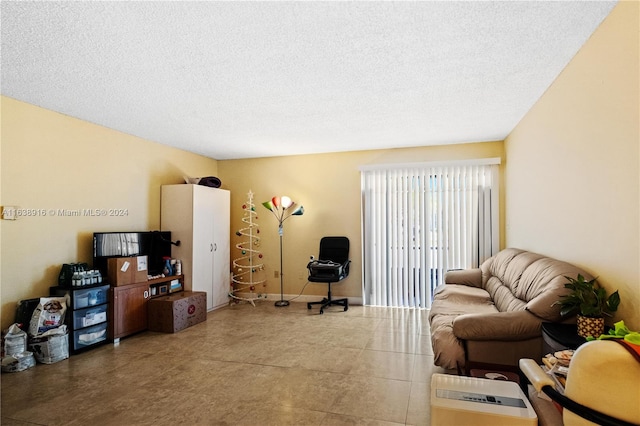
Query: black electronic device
{"x": 154, "y": 244}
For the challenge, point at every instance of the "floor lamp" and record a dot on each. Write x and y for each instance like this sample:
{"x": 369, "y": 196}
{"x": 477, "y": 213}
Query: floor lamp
{"x": 282, "y": 208}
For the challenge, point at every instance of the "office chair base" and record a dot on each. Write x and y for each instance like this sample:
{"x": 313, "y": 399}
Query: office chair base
{"x": 329, "y": 302}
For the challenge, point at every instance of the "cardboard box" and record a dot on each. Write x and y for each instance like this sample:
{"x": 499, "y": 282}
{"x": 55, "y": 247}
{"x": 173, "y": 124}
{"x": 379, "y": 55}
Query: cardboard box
{"x": 177, "y": 311}
{"x": 127, "y": 270}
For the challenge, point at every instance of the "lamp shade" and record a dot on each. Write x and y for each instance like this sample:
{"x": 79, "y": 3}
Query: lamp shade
{"x": 286, "y": 202}
{"x": 268, "y": 205}
{"x": 283, "y": 207}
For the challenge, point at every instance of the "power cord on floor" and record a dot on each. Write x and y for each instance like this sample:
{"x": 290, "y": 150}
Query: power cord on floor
{"x": 300, "y": 294}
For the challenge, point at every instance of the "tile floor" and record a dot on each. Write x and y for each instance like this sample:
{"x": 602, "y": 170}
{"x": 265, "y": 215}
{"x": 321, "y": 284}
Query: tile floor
{"x": 245, "y": 365}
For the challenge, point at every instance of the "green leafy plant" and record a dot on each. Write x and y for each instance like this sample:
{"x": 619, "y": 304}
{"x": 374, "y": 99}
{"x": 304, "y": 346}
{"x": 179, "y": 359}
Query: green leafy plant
{"x": 620, "y": 331}
{"x": 588, "y": 299}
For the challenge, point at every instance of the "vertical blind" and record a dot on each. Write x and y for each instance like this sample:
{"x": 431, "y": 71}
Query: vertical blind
{"x": 420, "y": 221}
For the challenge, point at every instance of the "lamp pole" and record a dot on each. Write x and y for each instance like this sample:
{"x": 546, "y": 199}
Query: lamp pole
{"x": 281, "y": 302}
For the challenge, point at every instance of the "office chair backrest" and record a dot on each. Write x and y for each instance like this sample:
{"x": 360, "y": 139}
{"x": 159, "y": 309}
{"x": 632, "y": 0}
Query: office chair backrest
{"x": 335, "y": 249}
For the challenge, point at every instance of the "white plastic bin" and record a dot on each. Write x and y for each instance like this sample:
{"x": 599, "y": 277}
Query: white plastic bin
{"x": 89, "y": 316}
{"x": 89, "y": 336}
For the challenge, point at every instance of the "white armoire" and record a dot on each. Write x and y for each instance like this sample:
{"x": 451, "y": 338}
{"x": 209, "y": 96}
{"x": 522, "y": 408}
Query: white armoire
{"x": 199, "y": 217}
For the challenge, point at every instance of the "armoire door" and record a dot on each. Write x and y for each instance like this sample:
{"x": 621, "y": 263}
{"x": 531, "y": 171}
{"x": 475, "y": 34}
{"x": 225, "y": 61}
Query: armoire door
{"x": 221, "y": 253}
{"x": 204, "y": 246}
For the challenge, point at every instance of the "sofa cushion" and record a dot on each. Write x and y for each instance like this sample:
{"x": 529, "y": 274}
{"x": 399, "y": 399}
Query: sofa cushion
{"x": 502, "y": 296}
{"x": 503, "y": 273}
{"x": 456, "y": 294}
{"x": 542, "y": 284}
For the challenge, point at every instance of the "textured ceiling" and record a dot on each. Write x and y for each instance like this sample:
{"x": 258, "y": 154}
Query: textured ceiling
{"x": 256, "y": 79}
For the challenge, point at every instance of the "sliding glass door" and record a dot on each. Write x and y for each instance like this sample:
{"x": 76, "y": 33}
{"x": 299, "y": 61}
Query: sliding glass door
{"x": 420, "y": 221}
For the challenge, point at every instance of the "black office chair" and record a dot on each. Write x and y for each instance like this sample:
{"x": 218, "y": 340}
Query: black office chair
{"x": 332, "y": 266}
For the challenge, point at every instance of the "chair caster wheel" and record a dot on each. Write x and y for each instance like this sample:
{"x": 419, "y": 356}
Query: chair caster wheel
{"x": 321, "y": 312}
{"x": 346, "y": 308}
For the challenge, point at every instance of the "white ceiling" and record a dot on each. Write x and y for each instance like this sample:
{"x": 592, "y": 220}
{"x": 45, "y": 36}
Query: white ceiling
{"x": 255, "y": 79}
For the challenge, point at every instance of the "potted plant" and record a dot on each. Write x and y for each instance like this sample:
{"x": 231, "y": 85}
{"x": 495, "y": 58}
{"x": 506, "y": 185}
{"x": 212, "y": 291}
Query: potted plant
{"x": 590, "y": 302}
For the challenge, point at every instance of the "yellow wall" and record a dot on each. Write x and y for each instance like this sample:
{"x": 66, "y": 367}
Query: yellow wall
{"x": 328, "y": 185}
{"x": 573, "y": 164}
{"x": 52, "y": 161}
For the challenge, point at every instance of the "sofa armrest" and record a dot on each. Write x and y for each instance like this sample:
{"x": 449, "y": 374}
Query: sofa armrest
{"x": 469, "y": 277}
{"x": 506, "y": 326}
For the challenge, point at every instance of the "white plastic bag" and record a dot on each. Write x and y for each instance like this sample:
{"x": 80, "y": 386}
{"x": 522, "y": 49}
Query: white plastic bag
{"x": 14, "y": 341}
{"x": 51, "y": 346}
{"x": 18, "y": 362}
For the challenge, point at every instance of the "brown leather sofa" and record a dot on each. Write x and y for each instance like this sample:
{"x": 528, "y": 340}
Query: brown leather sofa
{"x": 493, "y": 314}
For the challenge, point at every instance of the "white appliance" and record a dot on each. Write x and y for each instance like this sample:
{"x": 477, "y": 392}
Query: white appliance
{"x": 199, "y": 217}
{"x": 460, "y": 400}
